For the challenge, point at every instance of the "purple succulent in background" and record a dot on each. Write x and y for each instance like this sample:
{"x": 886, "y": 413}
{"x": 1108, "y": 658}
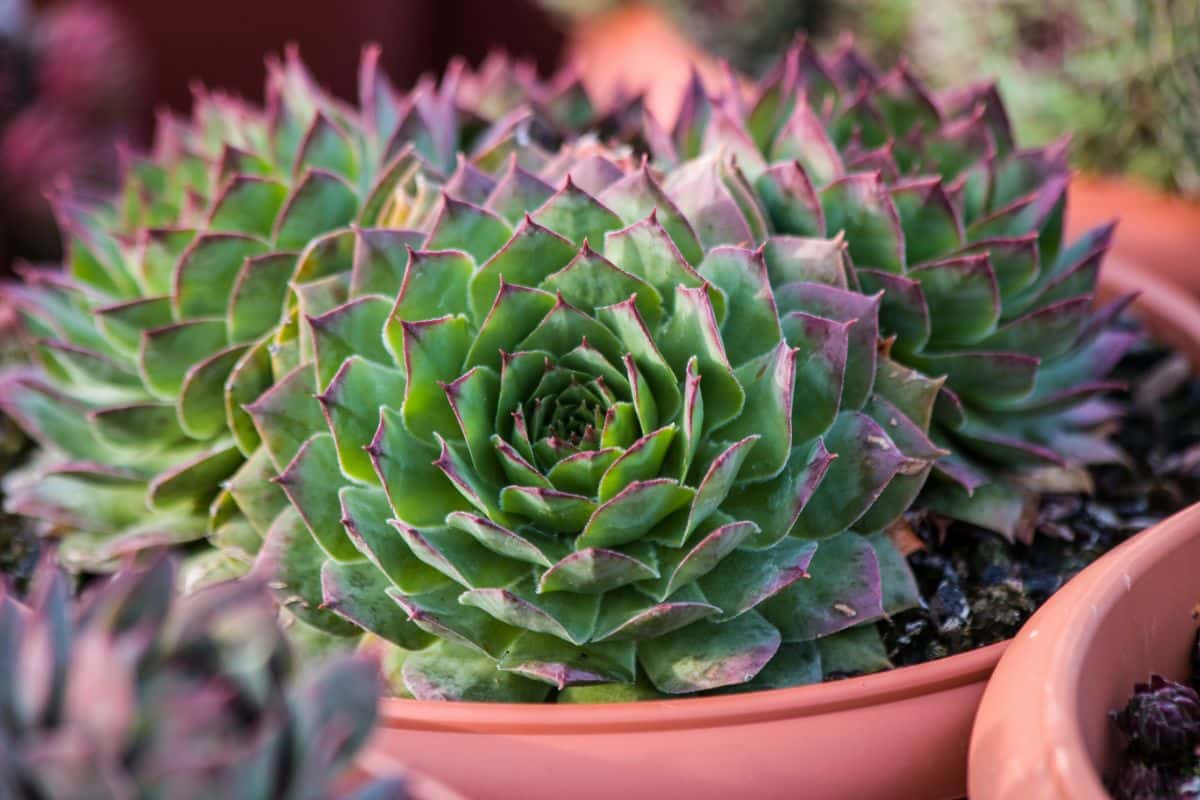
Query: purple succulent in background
{"x": 131, "y": 691}
{"x": 86, "y": 63}
{"x": 1161, "y": 720}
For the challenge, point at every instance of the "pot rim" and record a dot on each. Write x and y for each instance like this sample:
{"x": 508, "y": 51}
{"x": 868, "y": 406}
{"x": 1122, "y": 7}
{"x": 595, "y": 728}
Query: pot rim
{"x": 1167, "y": 311}
{"x": 735, "y": 709}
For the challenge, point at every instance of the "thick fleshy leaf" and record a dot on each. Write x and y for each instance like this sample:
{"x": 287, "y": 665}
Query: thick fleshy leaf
{"x": 577, "y": 215}
{"x": 747, "y": 578}
{"x": 844, "y": 589}
{"x": 321, "y": 202}
{"x": 466, "y": 227}
{"x": 633, "y": 512}
{"x": 381, "y": 257}
{"x": 195, "y": 481}
{"x": 168, "y": 353}
{"x": 357, "y": 592}
{"x": 287, "y": 414}
{"x": 515, "y": 314}
{"x": 532, "y": 254}
{"x": 364, "y": 516}
{"x": 852, "y": 652}
{"x": 453, "y": 672}
{"x": 201, "y": 404}
{"x": 257, "y": 297}
{"x": 706, "y": 655}
{"x": 866, "y": 461}
{"x": 306, "y": 481}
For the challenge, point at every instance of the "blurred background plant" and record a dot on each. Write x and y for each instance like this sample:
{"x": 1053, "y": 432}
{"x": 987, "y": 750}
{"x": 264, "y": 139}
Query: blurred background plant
{"x": 130, "y": 691}
{"x": 68, "y": 86}
{"x": 1122, "y": 76}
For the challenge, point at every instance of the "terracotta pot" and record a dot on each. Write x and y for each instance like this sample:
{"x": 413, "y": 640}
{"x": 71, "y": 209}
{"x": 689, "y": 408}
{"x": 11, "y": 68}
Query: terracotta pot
{"x": 1159, "y": 231}
{"x": 1043, "y": 729}
{"x": 900, "y": 734}
{"x": 636, "y": 48}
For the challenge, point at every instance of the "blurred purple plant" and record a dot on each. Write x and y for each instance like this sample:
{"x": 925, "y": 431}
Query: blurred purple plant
{"x": 68, "y": 85}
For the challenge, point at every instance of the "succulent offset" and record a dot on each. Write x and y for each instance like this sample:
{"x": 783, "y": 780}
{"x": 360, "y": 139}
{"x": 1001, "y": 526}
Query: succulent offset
{"x": 543, "y": 414}
{"x": 132, "y": 693}
{"x": 960, "y": 230}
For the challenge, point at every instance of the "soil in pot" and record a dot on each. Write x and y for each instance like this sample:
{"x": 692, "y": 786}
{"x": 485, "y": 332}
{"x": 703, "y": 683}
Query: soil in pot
{"x": 1161, "y": 729}
{"x": 980, "y": 588}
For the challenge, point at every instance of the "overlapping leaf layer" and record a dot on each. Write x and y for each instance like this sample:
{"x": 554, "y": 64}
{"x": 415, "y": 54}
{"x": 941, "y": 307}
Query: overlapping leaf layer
{"x": 959, "y": 229}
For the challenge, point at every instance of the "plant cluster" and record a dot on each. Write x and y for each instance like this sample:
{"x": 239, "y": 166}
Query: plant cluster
{"x": 131, "y": 692}
{"x": 547, "y": 395}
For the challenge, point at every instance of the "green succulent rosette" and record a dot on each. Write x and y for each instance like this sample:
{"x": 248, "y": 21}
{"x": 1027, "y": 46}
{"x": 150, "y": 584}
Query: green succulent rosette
{"x": 170, "y": 290}
{"x": 958, "y": 231}
{"x": 572, "y": 445}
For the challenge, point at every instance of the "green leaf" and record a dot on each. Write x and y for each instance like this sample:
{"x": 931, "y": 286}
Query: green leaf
{"x": 247, "y": 204}
{"x": 707, "y": 655}
{"x": 856, "y": 651}
{"x": 201, "y": 403}
{"x": 320, "y": 202}
{"x": 257, "y": 298}
{"x": 433, "y": 353}
{"x": 435, "y": 284}
{"x": 168, "y": 353}
{"x": 866, "y": 461}
{"x": 365, "y": 514}
{"x": 312, "y": 481}
{"x": 532, "y": 254}
{"x": 352, "y": 404}
{"x": 419, "y": 493}
{"x": 380, "y": 260}
{"x": 453, "y": 672}
{"x": 466, "y": 227}
{"x": 287, "y": 415}
{"x": 633, "y": 512}
{"x": 844, "y": 589}
{"x": 769, "y": 382}
{"x": 641, "y": 461}
{"x": 578, "y": 216}
{"x": 195, "y": 481}
{"x": 515, "y": 314}
{"x": 548, "y": 509}
{"x": 753, "y": 319}
{"x": 357, "y": 593}
{"x": 591, "y": 281}
{"x": 353, "y": 329}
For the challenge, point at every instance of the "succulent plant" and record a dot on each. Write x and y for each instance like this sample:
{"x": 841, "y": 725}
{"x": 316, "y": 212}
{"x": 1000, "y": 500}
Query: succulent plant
{"x": 547, "y": 416}
{"x": 170, "y": 290}
{"x": 134, "y": 693}
{"x": 574, "y": 442}
{"x": 961, "y": 232}
{"x": 1161, "y": 720}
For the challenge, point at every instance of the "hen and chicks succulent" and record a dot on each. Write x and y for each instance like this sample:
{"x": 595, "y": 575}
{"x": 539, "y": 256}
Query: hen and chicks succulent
{"x": 549, "y": 396}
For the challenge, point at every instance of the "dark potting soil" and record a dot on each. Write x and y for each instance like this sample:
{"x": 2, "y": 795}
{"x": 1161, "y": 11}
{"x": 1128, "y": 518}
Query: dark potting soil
{"x": 18, "y": 542}
{"x": 980, "y": 588}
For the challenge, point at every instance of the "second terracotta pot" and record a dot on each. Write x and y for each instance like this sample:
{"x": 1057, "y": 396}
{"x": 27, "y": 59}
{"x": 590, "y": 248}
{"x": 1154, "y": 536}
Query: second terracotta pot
{"x": 1043, "y": 731}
